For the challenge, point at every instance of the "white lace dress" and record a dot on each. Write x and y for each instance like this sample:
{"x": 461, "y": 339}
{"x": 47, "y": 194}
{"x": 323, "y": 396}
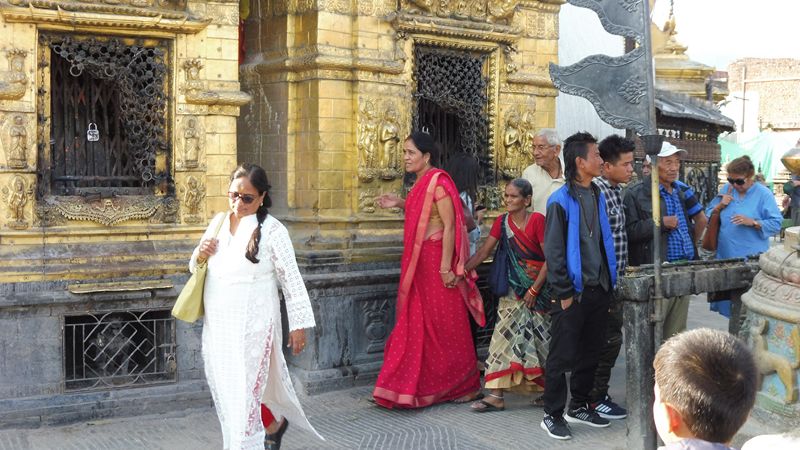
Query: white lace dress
{"x": 242, "y": 338}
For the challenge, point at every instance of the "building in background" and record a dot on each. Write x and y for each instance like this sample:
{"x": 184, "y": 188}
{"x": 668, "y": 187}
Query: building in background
{"x": 117, "y": 137}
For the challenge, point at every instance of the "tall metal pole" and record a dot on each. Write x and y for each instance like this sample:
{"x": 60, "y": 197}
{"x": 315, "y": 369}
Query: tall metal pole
{"x": 652, "y": 144}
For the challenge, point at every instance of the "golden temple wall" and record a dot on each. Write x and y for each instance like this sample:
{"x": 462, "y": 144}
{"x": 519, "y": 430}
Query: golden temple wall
{"x": 333, "y": 87}
{"x": 203, "y": 99}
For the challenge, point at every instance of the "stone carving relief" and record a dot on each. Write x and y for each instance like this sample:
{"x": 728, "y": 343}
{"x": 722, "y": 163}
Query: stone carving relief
{"x": 769, "y": 362}
{"x": 193, "y": 193}
{"x": 196, "y": 92}
{"x": 494, "y": 11}
{"x": 141, "y": 15}
{"x": 517, "y": 143}
{"x": 16, "y": 146}
{"x": 16, "y": 196}
{"x": 541, "y": 24}
{"x": 14, "y": 82}
{"x": 167, "y": 212}
{"x": 375, "y": 320}
{"x": 490, "y": 196}
{"x": 105, "y": 211}
{"x": 366, "y": 201}
{"x": 510, "y": 51}
{"x": 193, "y": 142}
{"x": 379, "y": 135}
{"x": 633, "y": 89}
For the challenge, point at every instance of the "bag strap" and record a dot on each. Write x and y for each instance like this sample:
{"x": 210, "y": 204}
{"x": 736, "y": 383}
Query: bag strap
{"x": 219, "y": 225}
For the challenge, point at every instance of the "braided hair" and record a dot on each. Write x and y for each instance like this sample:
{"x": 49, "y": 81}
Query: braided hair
{"x": 258, "y": 178}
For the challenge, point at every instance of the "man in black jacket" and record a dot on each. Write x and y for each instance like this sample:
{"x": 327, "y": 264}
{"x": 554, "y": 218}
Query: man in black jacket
{"x": 682, "y": 224}
{"x": 581, "y": 270}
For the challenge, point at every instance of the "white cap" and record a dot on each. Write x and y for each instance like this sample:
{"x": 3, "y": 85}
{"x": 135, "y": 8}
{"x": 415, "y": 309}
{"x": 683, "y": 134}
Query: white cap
{"x": 668, "y": 149}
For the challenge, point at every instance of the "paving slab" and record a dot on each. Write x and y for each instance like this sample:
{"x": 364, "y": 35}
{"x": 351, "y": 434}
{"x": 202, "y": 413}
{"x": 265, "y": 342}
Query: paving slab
{"x": 349, "y": 421}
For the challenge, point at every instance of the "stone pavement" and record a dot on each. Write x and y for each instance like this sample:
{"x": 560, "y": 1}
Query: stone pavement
{"x": 348, "y": 420}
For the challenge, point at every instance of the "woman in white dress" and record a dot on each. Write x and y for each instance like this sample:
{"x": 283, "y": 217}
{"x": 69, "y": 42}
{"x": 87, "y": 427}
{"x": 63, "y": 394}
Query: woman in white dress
{"x": 242, "y": 334}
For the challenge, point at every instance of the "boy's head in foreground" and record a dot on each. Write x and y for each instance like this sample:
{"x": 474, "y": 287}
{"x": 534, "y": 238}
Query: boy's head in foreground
{"x": 706, "y": 382}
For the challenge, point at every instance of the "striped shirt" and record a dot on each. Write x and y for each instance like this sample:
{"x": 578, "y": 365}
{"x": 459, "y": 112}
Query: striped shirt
{"x": 616, "y": 218}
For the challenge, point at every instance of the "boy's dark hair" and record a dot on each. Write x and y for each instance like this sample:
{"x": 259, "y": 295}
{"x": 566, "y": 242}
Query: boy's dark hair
{"x": 612, "y": 148}
{"x": 710, "y": 378}
{"x": 575, "y": 146}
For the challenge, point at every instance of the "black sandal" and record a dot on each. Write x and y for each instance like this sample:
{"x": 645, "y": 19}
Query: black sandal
{"x": 487, "y": 407}
{"x": 273, "y": 441}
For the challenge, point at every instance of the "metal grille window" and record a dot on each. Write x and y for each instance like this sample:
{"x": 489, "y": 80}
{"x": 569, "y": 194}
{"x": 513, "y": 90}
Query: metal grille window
{"x": 452, "y": 97}
{"x": 119, "y": 349}
{"x": 108, "y": 116}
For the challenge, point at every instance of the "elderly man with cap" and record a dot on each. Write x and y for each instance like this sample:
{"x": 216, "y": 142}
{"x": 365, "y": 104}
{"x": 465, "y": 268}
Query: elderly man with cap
{"x": 682, "y": 224}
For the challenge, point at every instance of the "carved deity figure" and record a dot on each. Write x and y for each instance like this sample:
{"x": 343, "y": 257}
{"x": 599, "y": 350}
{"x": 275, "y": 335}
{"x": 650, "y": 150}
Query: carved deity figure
{"x": 13, "y": 82}
{"x": 16, "y": 65}
{"x": 16, "y": 198}
{"x": 192, "y": 199}
{"x": 512, "y": 141}
{"x": 367, "y": 135}
{"x": 192, "y": 68}
{"x": 192, "y": 196}
{"x": 389, "y": 138}
{"x": 18, "y": 143}
{"x": 424, "y": 5}
{"x": 191, "y": 144}
{"x": 501, "y": 10}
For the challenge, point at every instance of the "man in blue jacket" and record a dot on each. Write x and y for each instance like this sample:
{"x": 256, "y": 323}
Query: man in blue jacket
{"x": 582, "y": 271}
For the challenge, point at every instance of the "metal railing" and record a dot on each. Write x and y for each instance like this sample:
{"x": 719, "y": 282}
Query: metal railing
{"x": 119, "y": 349}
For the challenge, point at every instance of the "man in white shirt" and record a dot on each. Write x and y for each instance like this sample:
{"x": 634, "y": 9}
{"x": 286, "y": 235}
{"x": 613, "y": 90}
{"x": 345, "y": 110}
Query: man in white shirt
{"x": 546, "y": 175}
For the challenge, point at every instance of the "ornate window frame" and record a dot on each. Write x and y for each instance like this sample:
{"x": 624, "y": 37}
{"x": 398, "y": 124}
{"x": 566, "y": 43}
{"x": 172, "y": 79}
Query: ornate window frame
{"x": 106, "y": 208}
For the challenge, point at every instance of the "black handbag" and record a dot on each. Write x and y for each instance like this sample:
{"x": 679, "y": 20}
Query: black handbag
{"x": 498, "y": 272}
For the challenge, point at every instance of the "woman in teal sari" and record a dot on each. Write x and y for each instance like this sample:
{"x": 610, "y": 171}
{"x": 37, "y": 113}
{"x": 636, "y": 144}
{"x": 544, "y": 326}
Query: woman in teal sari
{"x": 522, "y": 332}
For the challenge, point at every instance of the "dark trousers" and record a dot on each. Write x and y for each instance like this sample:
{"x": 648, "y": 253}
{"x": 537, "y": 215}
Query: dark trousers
{"x": 610, "y": 351}
{"x": 577, "y": 336}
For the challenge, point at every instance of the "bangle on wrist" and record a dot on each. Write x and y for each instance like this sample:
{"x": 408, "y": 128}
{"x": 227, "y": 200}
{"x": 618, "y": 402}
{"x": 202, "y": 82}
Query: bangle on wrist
{"x": 444, "y": 271}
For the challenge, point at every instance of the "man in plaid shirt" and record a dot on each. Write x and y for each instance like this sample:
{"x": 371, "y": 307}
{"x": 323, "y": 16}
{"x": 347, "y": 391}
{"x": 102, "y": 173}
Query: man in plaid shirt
{"x": 617, "y": 154}
{"x": 682, "y": 224}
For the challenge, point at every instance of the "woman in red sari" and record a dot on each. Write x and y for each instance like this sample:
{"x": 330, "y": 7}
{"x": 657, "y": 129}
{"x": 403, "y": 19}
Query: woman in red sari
{"x": 429, "y": 357}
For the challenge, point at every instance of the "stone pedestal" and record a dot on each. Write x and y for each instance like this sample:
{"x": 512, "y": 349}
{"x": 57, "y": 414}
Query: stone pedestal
{"x": 772, "y": 327}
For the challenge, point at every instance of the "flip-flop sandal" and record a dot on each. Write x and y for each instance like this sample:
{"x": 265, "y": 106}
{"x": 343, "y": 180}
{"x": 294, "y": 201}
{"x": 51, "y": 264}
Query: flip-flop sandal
{"x": 480, "y": 396}
{"x": 487, "y": 407}
{"x": 538, "y": 401}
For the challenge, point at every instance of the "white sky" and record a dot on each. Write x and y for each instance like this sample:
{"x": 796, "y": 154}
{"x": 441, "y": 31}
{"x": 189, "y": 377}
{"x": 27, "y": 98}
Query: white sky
{"x": 718, "y": 32}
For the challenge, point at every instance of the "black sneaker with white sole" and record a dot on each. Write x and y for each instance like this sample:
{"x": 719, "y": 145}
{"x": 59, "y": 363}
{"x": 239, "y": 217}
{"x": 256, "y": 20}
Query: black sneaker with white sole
{"x": 586, "y": 416}
{"x": 556, "y": 427}
{"x": 607, "y": 409}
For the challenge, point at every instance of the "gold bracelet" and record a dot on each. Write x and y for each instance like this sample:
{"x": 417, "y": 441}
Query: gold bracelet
{"x": 444, "y": 271}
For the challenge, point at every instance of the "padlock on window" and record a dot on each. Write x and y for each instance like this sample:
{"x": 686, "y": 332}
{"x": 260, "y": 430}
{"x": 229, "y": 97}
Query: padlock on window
{"x": 92, "y": 134}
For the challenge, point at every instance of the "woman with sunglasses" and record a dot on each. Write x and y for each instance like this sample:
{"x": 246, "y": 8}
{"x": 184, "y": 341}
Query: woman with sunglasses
{"x": 242, "y": 334}
{"x": 747, "y": 215}
{"x": 429, "y": 356}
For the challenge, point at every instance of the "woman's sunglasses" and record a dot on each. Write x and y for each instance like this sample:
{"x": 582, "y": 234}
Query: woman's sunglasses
{"x": 737, "y": 181}
{"x": 246, "y": 198}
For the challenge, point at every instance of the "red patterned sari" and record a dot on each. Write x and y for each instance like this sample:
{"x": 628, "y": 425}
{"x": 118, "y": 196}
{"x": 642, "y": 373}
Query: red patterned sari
{"x": 429, "y": 357}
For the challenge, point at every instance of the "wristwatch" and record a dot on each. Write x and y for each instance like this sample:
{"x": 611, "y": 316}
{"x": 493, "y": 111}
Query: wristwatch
{"x": 756, "y": 224}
